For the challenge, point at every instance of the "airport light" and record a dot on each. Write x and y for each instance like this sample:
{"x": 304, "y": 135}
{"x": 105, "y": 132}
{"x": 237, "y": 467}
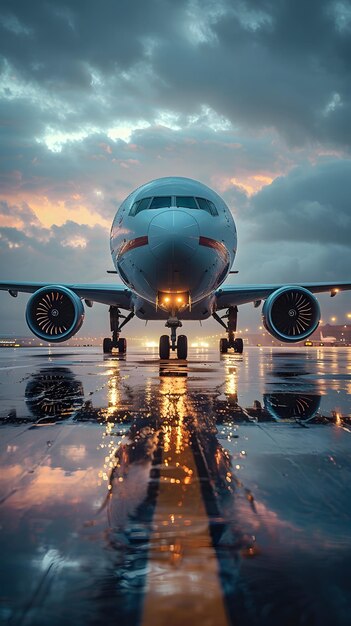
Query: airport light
{"x": 338, "y": 421}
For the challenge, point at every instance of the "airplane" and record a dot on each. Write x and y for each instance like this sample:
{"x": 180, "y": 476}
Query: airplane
{"x": 173, "y": 243}
{"x": 328, "y": 339}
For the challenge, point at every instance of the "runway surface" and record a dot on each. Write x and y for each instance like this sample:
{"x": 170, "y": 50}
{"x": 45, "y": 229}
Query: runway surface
{"x": 211, "y": 491}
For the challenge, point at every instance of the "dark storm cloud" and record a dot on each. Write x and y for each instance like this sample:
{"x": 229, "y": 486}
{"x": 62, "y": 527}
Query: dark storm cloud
{"x": 54, "y": 252}
{"x": 72, "y": 71}
{"x": 282, "y": 64}
{"x": 311, "y": 204}
{"x": 287, "y": 68}
{"x": 87, "y": 55}
{"x": 55, "y": 42}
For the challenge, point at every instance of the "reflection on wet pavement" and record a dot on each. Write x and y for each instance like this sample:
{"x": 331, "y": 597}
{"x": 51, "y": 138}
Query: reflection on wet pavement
{"x": 214, "y": 491}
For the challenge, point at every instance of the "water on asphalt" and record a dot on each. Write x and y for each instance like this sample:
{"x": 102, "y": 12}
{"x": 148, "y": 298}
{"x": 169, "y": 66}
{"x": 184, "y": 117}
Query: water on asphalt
{"x": 210, "y": 491}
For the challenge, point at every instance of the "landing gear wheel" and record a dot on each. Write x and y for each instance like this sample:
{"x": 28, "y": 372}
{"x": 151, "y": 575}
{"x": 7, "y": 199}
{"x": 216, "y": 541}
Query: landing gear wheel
{"x": 122, "y": 345}
{"x": 107, "y": 345}
{"x": 164, "y": 347}
{"x": 182, "y": 347}
{"x": 238, "y": 346}
{"x": 223, "y": 345}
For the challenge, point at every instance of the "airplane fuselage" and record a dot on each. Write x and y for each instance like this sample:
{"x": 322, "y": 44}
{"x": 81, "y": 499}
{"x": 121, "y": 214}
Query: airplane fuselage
{"x": 173, "y": 242}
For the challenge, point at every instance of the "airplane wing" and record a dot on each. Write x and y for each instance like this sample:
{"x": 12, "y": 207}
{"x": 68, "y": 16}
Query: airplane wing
{"x": 113, "y": 295}
{"x": 119, "y": 295}
{"x": 231, "y": 295}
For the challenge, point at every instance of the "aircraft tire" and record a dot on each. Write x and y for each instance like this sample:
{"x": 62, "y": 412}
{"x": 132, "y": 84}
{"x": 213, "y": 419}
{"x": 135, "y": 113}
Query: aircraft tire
{"x": 238, "y": 346}
{"x": 122, "y": 345}
{"x": 164, "y": 347}
{"x": 107, "y": 345}
{"x": 182, "y": 347}
{"x": 223, "y": 345}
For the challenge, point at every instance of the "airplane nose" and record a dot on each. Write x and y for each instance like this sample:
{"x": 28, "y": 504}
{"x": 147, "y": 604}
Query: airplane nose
{"x": 173, "y": 235}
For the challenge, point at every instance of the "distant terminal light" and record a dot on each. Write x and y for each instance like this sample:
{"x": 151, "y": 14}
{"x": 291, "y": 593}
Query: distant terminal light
{"x": 151, "y": 344}
{"x": 9, "y": 343}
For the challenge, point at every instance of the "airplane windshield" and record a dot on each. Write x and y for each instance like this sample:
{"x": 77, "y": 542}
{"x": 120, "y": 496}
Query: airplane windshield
{"x": 140, "y": 205}
{"x": 162, "y": 202}
{"x": 207, "y": 205}
{"x": 196, "y": 203}
{"x": 186, "y": 201}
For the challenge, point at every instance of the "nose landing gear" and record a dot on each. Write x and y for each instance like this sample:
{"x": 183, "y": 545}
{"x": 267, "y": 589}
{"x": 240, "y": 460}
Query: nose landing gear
{"x": 116, "y": 342}
{"x": 231, "y": 342}
{"x": 167, "y": 344}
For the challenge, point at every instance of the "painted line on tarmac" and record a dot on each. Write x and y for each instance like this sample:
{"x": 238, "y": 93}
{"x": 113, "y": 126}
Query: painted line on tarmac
{"x": 183, "y": 582}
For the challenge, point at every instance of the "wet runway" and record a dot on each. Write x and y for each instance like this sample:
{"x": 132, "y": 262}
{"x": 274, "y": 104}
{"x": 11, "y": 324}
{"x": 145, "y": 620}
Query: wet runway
{"x": 214, "y": 491}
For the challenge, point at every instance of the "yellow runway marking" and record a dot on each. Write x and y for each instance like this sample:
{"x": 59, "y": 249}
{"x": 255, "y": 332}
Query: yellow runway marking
{"x": 183, "y": 585}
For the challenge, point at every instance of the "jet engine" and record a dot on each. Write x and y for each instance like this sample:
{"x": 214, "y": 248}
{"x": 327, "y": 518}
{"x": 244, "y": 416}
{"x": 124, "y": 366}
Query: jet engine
{"x": 54, "y": 313}
{"x": 291, "y": 314}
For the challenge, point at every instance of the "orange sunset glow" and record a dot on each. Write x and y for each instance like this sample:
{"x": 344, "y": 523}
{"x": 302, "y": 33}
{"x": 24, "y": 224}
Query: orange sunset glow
{"x": 253, "y": 183}
{"x": 51, "y": 212}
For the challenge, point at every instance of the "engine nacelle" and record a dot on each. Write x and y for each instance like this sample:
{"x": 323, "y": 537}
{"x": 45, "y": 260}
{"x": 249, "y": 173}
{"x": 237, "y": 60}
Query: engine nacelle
{"x": 54, "y": 313}
{"x": 291, "y": 314}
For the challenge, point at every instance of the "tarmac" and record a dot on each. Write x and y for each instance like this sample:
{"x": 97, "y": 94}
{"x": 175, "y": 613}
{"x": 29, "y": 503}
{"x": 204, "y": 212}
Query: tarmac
{"x": 211, "y": 491}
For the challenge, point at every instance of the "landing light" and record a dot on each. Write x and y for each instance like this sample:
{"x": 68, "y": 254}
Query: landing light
{"x": 173, "y": 300}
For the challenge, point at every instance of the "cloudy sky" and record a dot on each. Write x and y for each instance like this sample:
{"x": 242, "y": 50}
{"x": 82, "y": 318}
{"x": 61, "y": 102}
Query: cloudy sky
{"x": 251, "y": 97}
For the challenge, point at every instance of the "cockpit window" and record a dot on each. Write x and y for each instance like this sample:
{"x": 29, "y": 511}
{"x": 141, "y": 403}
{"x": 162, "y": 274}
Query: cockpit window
{"x": 140, "y": 205}
{"x": 160, "y": 202}
{"x": 186, "y": 201}
{"x": 207, "y": 205}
